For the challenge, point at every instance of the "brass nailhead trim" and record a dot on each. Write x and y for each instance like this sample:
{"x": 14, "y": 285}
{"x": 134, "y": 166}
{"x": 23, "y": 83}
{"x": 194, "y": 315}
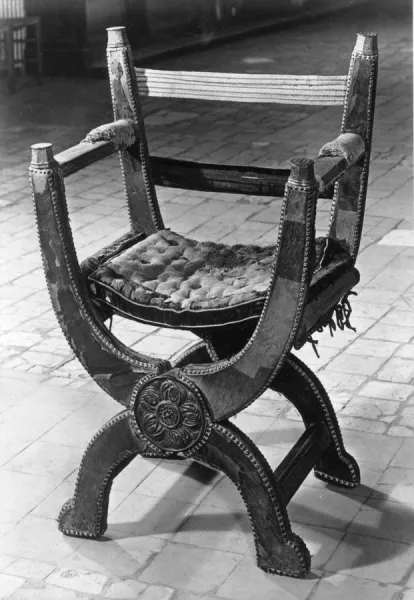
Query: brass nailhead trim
{"x": 286, "y": 535}
{"x": 324, "y": 402}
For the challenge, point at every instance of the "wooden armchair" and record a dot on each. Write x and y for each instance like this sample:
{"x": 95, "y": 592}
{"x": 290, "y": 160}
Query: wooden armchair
{"x": 249, "y": 305}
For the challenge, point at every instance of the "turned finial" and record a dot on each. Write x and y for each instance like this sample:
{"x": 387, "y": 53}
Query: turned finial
{"x": 367, "y": 43}
{"x": 42, "y": 155}
{"x": 302, "y": 171}
{"x": 117, "y": 36}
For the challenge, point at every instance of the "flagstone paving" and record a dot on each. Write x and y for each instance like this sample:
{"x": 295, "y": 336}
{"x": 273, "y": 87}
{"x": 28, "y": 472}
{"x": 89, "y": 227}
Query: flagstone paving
{"x": 180, "y": 531}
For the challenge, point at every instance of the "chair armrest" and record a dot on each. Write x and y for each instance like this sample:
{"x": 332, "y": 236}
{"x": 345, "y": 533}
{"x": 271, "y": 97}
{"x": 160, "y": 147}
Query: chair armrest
{"x": 349, "y": 146}
{"x": 99, "y": 143}
{"x": 121, "y": 134}
{"x": 82, "y": 155}
{"x": 336, "y": 157}
{"x": 231, "y": 384}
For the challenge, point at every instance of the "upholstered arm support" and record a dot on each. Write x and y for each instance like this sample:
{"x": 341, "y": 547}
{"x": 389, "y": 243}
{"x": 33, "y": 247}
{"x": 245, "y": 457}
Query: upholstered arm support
{"x": 349, "y": 146}
{"x": 121, "y": 134}
{"x": 98, "y": 144}
{"x": 336, "y": 157}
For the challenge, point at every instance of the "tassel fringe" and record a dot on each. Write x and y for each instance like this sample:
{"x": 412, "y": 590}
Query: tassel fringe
{"x": 337, "y": 318}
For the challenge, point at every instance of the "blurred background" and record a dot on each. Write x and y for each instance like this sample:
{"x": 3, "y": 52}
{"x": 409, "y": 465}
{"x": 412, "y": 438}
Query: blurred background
{"x": 72, "y": 32}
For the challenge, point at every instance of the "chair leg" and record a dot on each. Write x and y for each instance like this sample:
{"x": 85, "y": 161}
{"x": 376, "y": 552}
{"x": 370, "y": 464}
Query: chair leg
{"x": 109, "y": 452}
{"x": 303, "y": 388}
{"x": 278, "y": 549}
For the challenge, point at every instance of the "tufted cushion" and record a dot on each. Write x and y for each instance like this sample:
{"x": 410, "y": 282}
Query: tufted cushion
{"x": 169, "y": 280}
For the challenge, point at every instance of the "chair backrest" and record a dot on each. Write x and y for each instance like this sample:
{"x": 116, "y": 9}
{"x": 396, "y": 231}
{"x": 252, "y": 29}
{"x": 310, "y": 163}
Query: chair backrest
{"x": 355, "y": 92}
{"x": 234, "y": 87}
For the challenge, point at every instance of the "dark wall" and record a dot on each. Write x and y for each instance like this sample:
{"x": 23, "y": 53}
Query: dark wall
{"x": 64, "y": 34}
{"x": 74, "y": 36}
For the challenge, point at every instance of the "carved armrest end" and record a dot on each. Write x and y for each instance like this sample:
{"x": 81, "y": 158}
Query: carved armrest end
{"x": 349, "y": 146}
{"x": 121, "y": 134}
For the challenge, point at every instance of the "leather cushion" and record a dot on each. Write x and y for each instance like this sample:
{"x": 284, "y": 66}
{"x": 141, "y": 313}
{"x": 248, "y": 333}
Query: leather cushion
{"x": 169, "y": 280}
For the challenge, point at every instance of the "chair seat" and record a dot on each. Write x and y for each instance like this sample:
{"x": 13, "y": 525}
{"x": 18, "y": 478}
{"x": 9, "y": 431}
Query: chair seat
{"x": 171, "y": 281}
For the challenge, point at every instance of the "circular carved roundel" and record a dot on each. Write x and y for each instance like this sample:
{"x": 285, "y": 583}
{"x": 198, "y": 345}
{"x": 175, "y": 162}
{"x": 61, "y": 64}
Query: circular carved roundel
{"x": 169, "y": 414}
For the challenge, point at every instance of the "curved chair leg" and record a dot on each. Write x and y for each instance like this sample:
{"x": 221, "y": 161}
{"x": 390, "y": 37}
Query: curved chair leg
{"x": 303, "y": 388}
{"x": 109, "y": 452}
{"x": 278, "y": 549}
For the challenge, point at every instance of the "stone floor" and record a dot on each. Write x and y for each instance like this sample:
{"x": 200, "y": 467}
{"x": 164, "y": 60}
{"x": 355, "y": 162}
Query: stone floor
{"x": 177, "y": 530}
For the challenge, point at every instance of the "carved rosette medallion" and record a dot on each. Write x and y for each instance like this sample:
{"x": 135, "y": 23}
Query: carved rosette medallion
{"x": 169, "y": 414}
